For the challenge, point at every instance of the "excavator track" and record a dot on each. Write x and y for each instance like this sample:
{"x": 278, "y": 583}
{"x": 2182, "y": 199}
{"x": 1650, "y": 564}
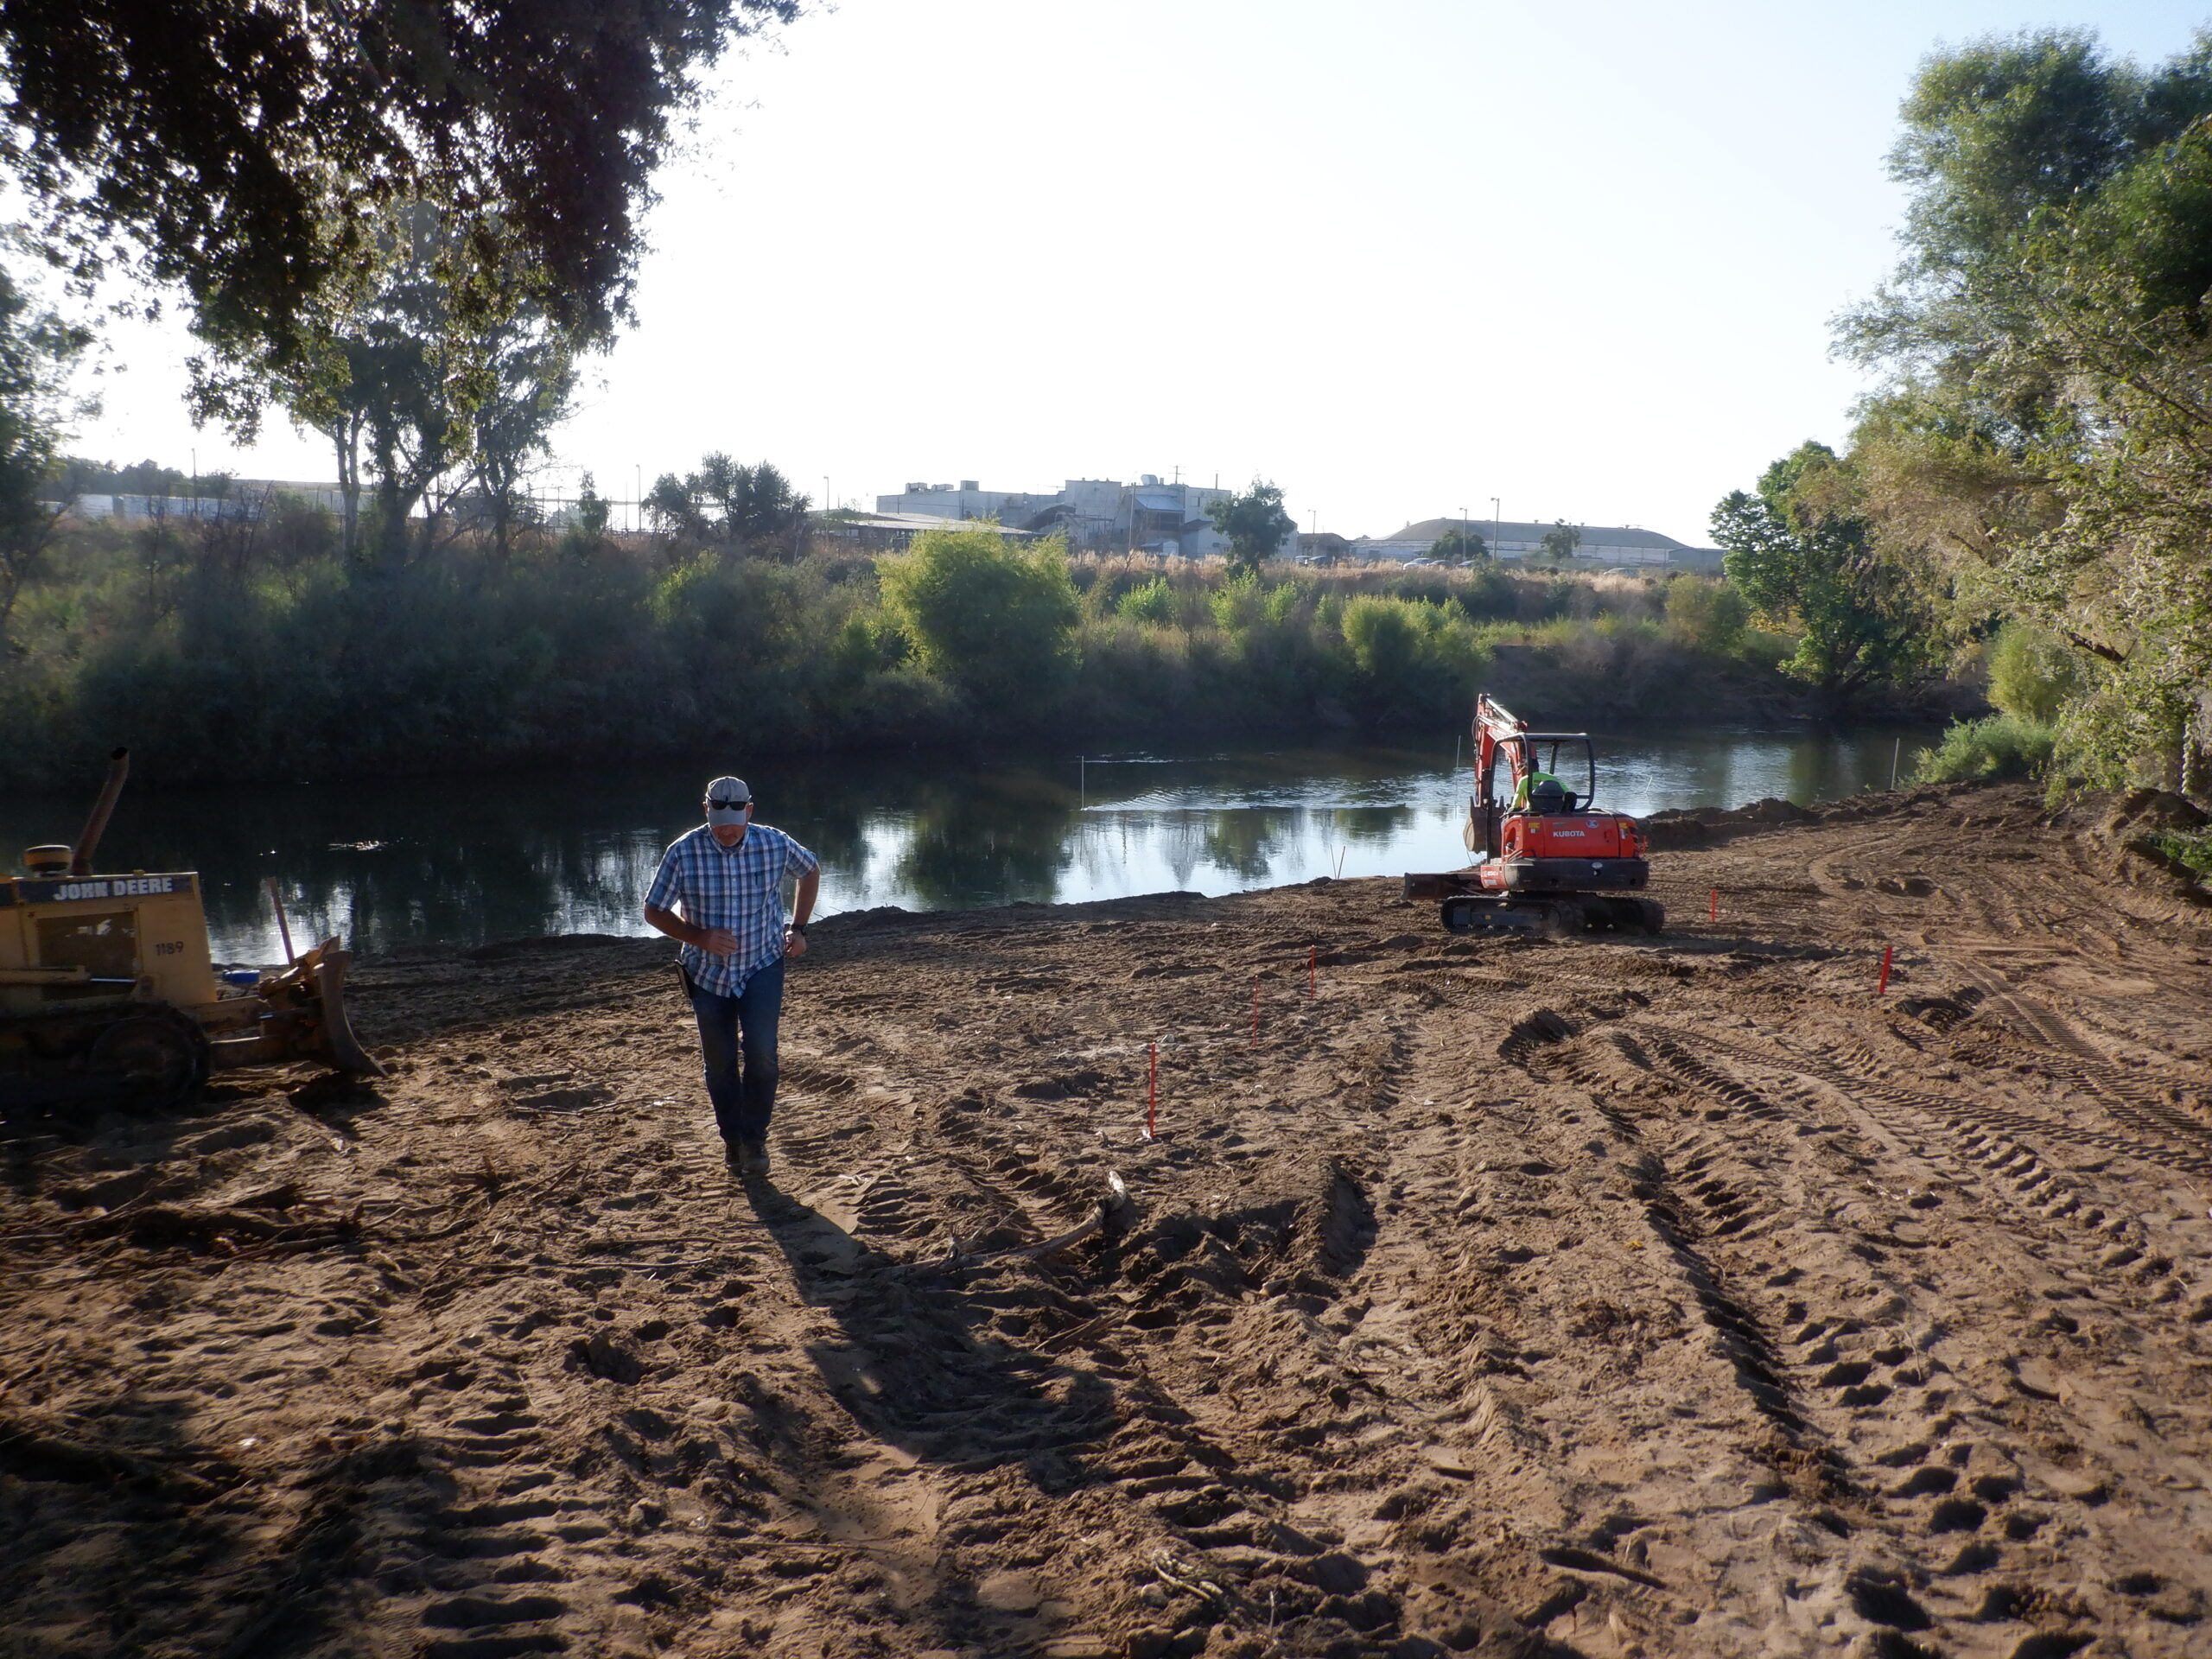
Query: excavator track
{"x": 1553, "y": 917}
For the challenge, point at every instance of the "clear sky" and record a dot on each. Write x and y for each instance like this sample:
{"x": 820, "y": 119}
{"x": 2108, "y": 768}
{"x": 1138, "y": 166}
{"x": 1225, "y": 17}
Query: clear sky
{"x": 1400, "y": 258}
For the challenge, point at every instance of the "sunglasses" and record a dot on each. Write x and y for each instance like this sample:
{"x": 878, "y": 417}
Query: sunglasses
{"x": 725, "y": 806}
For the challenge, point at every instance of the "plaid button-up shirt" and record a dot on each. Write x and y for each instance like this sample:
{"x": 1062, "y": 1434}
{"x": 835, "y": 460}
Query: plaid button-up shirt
{"x": 739, "y": 887}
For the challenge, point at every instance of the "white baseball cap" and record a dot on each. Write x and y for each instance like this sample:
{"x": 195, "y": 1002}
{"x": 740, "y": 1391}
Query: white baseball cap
{"x": 726, "y": 800}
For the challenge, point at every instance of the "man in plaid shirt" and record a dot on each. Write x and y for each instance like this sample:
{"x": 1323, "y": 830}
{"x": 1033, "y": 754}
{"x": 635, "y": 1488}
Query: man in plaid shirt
{"x": 727, "y": 875}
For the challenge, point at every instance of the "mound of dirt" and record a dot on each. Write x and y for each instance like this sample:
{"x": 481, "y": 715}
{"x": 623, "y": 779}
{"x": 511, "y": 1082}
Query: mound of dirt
{"x": 1608, "y": 1297}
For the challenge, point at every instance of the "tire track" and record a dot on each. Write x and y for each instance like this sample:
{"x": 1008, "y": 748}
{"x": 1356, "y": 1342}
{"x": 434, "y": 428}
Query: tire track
{"x": 2002, "y": 1119}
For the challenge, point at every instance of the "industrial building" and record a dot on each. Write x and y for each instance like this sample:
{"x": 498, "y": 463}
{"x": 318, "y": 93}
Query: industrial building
{"x": 1603, "y": 545}
{"x": 1097, "y": 515}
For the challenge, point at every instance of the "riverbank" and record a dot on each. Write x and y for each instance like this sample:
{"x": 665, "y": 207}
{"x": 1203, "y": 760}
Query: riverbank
{"x": 500, "y": 855}
{"x": 1500, "y": 1292}
{"x": 217, "y": 664}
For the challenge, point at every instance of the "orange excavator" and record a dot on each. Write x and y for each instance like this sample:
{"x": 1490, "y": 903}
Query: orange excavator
{"x": 1552, "y": 863}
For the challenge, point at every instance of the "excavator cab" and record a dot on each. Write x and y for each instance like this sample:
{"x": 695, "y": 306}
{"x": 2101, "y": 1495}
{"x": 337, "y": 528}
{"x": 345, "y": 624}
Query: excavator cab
{"x": 1550, "y": 799}
{"x": 1554, "y": 762}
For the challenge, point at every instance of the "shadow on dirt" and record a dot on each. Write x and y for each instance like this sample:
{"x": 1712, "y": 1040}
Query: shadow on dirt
{"x": 110, "y": 1507}
{"x": 920, "y": 1368}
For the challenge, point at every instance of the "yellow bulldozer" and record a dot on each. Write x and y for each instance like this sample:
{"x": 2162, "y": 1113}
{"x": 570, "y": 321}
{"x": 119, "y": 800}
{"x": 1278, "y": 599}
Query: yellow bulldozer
{"x": 108, "y": 992}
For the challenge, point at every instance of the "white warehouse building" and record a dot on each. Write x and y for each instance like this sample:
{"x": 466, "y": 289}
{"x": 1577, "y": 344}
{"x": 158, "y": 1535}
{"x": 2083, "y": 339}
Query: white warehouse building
{"x": 1097, "y": 515}
{"x": 1600, "y": 544}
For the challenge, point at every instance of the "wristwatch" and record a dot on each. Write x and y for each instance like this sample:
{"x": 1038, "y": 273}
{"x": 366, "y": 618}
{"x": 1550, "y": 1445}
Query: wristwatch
{"x": 798, "y": 928}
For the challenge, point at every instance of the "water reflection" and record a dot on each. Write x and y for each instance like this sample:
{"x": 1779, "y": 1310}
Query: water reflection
{"x": 462, "y": 860}
{"x": 993, "y": 838}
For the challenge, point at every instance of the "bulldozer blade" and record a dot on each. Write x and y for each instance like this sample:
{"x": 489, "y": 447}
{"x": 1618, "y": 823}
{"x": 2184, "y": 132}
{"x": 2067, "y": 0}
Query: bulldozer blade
{"x": 336, "y": 1045}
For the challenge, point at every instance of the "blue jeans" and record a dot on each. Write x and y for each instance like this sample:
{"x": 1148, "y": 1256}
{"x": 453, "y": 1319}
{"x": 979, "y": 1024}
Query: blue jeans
{"x": 741, "y": 1027}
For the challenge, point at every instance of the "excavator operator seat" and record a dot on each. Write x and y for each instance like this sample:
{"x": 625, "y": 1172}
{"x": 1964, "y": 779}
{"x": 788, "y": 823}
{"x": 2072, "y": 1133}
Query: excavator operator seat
{"x": 1549, "y": 798}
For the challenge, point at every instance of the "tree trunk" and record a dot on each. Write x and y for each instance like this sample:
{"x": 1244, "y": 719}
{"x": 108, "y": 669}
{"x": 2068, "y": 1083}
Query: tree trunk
{"x": 392, "y": 504}
{"x": 11, "y": 585}
{"x": 346, "y": 439}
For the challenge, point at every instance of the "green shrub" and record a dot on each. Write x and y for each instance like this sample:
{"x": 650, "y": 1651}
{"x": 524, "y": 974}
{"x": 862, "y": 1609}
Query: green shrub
{"x": 987, "y": 615}
{"x": 1411, "y": 658}
{"x": 1154, "y": 602}
{"x": 2032, "y": 675}
{"x": 1707, "y": 615}
{"x": 1237, "y": 604}
{"x": 2193, "y": 851}
{"x": 2001, "y": 746}
{"x": 1487, "y": 593}
{"x": 225, "y": 659}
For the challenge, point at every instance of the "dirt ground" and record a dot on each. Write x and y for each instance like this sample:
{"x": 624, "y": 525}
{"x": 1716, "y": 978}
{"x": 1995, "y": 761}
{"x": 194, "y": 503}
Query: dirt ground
{"x": 1618, "y": 1296}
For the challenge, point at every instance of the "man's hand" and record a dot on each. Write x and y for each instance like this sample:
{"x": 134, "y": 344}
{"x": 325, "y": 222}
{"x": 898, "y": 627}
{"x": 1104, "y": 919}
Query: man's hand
{"x": 809, "y": 886}
{"x": 719, "y": 942}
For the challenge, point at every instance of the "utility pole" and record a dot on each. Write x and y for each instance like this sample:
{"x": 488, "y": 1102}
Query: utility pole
{"x": 1493, "y": 527}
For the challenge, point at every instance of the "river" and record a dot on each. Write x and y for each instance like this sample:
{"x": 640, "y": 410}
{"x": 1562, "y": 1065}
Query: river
{"x": 463, "y": 861}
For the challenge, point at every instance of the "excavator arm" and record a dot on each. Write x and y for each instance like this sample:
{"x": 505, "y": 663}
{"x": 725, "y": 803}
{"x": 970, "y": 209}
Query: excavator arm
{"x": 1495, "y": 730}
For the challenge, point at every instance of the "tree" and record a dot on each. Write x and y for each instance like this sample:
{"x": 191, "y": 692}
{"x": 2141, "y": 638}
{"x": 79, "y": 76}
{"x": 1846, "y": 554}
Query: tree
{"x": 1253, "y": 522}
{"x": 751, "y": 509}
{"x": 987, "y": 615}
{"x": 141, "y": 478}
{"x": 249, "y": 151}
{"x": 1558, "y": 543}
{"x": 434, "y": 394}
{"x": 2047, "y": 426}
{"x": 530, "y": 364}
{"x": 588, "y": 533}
{"x": 383, "y": 373}
{"x": 37, "y": 353}
{"x": 1807, "y": 565}
{"x": 1460, "y": 543}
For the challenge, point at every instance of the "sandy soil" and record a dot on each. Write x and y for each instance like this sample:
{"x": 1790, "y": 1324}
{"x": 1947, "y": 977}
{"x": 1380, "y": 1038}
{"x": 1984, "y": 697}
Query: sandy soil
{"x": 1610, "y": 1297}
